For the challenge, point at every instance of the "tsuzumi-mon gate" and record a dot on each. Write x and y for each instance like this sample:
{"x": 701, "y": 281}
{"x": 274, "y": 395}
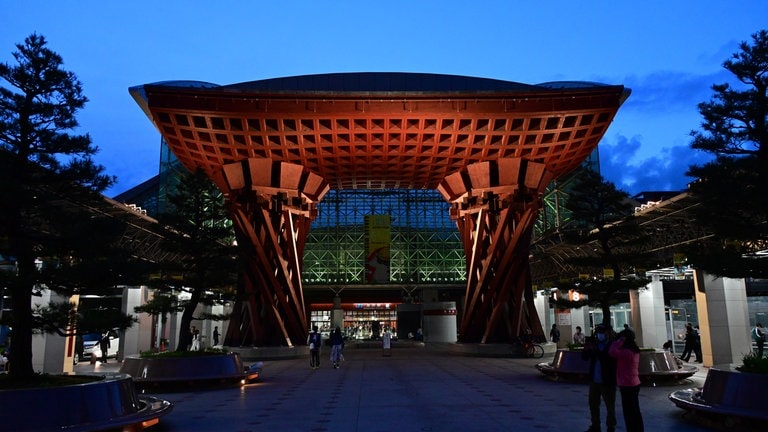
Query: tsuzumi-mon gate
{"x": 275, "y": 147}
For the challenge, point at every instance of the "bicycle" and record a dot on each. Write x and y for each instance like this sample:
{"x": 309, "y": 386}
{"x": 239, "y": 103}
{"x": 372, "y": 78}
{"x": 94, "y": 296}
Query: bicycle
{"x": 531, "y": 349}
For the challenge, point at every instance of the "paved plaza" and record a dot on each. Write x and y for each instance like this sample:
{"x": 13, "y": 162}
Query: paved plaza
{"x": 416, "y": 389}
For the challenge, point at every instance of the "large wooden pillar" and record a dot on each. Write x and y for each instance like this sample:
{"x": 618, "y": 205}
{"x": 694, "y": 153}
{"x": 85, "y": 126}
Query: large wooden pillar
{"x": 272, "y": 205}
{"x": 495, "y": 205}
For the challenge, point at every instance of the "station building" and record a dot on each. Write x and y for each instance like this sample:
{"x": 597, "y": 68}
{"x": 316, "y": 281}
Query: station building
{"x": 488, "y": 148}
{"x": 412, "y": 198}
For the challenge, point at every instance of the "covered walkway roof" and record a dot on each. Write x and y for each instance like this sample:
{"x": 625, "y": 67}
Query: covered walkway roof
{"x": 671, "y": 223}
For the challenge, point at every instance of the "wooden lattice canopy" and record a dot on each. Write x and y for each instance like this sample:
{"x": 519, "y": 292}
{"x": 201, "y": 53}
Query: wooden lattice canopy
{"x": 381, "y": 130}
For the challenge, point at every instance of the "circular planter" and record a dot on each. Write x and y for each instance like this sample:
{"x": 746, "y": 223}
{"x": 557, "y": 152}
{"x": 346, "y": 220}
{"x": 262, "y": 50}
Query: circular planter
{"x": 169, "y": 373}
{"x": 654, "y": 366}
{"x": 728, "y": 394}
{"x": 107, "y": 404}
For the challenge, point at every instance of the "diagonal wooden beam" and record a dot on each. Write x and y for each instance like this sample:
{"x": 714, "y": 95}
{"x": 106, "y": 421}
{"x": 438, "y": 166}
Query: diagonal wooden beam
{"x": 268, "y": 278}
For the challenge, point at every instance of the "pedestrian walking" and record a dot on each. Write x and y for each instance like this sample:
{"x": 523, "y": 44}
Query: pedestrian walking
{"x": 554, "y": 334}
{"x": 337, "y": 347}
{"x": 314, "y": 340}
{"x": 216, "y": 336}
{"x": 602, "y": 378}
{"x": 627, "y": 355}
{"x": 690, "y": 340}
{"x": 697, "y": 344}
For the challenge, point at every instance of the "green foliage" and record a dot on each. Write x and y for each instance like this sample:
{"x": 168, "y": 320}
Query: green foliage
{"x": 203, "y": 236}
{"x": 208, "y": 351}
{"x": 161, "y": 305}
{"x": 48, "y": 181}
{"x": 103, "y": 320}
{"x": 602, "y": 223}
{"x": 753, "y": 363}
{"x": 733, "y": 188}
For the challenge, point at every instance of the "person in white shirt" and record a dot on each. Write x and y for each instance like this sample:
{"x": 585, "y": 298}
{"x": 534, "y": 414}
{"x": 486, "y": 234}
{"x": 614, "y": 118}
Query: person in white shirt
{"x": 579, "y": 337}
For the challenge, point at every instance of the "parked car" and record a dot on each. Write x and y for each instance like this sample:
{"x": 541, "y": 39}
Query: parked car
{"x": 91, "y": 345}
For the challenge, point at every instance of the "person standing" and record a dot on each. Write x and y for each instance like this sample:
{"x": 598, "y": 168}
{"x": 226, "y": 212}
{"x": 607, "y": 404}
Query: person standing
{"x": 386, "y": 342}
{"x": 195, "y": 339}
{"x": 215, "y": 335}
{"x": 554, "y": 334}
{"x": 104, "y": 345}
{"x": 690, "y": 338}
{"x": 627, "y": 355}
{"x": 5, "y": 356}
{"x": 314, "y": 341}
{"x": 629, "y": 329}
{"x": 337, "y": 346}
{"x": 758, "y": 335}
{"x": 579, "y": 337}
{"x": 602, "y": 378}
{"x": 697, "y": 344}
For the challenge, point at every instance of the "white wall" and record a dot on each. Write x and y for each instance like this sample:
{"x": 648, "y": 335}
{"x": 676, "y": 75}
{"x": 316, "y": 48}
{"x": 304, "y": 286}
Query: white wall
{"x": 723, "y": 317}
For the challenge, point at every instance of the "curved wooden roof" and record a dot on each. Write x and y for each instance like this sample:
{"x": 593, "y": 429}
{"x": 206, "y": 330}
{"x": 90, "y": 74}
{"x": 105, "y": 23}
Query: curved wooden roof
{"x": 381, "y": 130}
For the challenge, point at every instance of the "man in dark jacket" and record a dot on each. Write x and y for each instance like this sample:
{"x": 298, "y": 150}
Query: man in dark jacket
{"x": 104, "y": 344}
{"x": 690, "y": 342}
{"x": 602, "y": 378}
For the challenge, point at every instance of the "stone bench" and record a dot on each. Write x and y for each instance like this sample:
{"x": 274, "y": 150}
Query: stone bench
{"x": 727, "y": 393}
{"x": 654, "y": 366}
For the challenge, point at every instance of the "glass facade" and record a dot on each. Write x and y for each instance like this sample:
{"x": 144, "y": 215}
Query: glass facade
{"x": 553, "y": 214}
{"x": 425, "y": 244}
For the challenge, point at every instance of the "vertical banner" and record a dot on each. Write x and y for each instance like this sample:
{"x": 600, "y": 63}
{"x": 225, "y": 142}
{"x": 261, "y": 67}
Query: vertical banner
{"x": 678, "y": 261}
{"x": 377, "y": 241}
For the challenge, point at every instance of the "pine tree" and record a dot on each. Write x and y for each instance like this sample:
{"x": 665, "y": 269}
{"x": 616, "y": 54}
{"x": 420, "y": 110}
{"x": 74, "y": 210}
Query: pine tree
{"x": 733, "y": 188}
{"x": 205, "y": 240}
{"x": 43, "y": 167}
{"x": 610, "y": 239}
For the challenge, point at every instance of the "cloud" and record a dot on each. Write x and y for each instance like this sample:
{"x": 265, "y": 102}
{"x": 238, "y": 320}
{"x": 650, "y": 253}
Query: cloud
{"x": 650, "y": 150}
{"x": 664, "y": 171}
{"x": 672, "y": 91}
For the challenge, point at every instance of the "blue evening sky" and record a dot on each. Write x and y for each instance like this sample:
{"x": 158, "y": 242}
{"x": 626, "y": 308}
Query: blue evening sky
{"x": 668, "y": 52}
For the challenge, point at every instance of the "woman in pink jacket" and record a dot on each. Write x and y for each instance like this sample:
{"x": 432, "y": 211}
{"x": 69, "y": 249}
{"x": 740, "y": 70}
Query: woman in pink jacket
{"x": 627, "y": 355}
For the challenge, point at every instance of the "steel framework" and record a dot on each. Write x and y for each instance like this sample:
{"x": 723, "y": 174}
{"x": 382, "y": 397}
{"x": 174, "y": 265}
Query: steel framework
{"x": 425, "y": 242}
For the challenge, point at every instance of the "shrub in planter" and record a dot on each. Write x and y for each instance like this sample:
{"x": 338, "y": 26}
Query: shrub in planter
{"x": 753, "y": 363}
{"x": 183, "y": 354}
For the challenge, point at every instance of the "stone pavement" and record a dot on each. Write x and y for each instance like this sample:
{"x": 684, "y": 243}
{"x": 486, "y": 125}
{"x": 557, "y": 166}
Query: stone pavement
{"x": 416, "y": 389}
